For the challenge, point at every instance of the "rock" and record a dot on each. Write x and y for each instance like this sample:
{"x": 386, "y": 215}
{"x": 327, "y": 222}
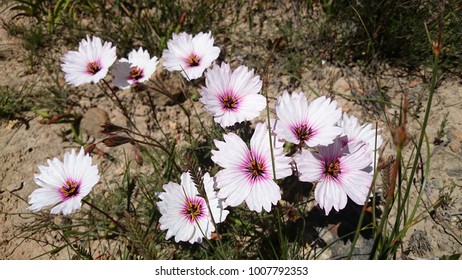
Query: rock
{"x": 174, "y": 85}
{"x": 436, "y": 183}
{"x": 454, "y": 145}
{"x": 11, "y": 124}
{"x": 455, "y": 134}
{"x": 332, "y": 73}
{"x": 453, "y": 172}
{"x": 341, "y": 85}
{"x": 413, "y": 83}
{"x": 92, "y": 121}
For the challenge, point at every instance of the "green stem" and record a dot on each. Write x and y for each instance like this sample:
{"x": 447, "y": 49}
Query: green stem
{"x": 419, "y": 143}
{"x": 104, "y": 213}
{"x": 153, "y": 109}
{"x": 119, "y": 103}
{"x": 363, "y": 210}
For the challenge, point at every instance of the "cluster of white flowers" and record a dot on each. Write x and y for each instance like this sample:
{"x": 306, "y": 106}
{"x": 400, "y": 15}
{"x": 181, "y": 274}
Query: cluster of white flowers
{"x": 92, "y": 61}
{"x": 335, "y": 151}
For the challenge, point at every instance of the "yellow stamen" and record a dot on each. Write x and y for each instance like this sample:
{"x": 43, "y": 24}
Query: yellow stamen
{"x": 193, "y": 60}
{"x": 93, "y": 67}
{"x": 256, "y": 168}
{"x": 70, "y": 189}
{"x": 333, "y": 169}
{"x": 229, "y": 102}
{"x": 136, "y": 73}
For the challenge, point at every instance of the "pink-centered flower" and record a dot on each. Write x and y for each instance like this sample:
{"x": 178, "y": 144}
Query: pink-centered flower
{"x": 137, "y": 68}
{"x": 190, "y": 55}
{"x": 64, "y": 184}
{"x": 232, "y": 96}
{"x": 248, "y": 173}
{"x": 315, "y": 124}
{"x": 90, "y": 63}
{"x": 340, "y": 172}
{"x": 354, "y": 131}
{"x": 185, "y": 214}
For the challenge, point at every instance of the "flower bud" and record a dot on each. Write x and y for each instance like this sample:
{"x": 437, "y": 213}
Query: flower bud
{"x": 109, "y": 127}
{"x": 436, "y": 48}
{"x": 182, "y": 18}
{"x": 293, "y": 215}
{"x": 138, "y": 158}
{"x": 116, "y": 140}
{"x": 89, "y": 148}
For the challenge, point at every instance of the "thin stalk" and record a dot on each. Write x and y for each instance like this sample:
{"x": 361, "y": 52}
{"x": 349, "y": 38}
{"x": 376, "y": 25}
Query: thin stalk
{"x": 195, "y": 110}
{"x": 161, "y": 147}
{"x": 119, "y": 103}
{"x": 277, "y": 215}
{"x": 213, "y": 221}
{"x": 396, "y": 233}
{"x": 210, "y": 243}
{"x": 376, "y": 173}
{"x": 265, "y": 92}
{"x": 410, "y": 222}
{"x": 145, "y": 137}
{"x": 105, "y": 214}
{"x": 422, "y": 187}
{"x": 203, "y": 234}
{"x": 160, "y": 88}
{"x": 151, "y": 103}
{"x": 388, "y": 204}
{"x": 434, "y": 80}
{"x": 267, "y": 237}
{"x": 281, "y": 238}
{"x": 363, "y": 209}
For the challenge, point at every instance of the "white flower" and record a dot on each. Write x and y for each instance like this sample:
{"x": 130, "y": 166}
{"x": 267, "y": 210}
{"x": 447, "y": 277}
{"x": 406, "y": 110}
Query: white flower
{"x": 248, "y": 173}
{"x": 232, "y": 96}
{"x": 64, "y": 184}
{"x": 353, "y": 131}
{"x": 340, "y": 172}
{"x": 138, "y": 68}
{"x": 314, "y": 124}
{"x": 185, "y": 214}
{"x": 190, "y": 55}
{"x": 90, "y": 64}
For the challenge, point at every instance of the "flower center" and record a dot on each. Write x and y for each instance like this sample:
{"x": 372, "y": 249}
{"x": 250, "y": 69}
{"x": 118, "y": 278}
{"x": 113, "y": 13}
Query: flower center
{"x": 229, "y": 102}
{"x": 256, "y": 168}
{"x": 136, "y": 73}
{"x": 70, "y": 188}
{"x": 193, "y": 209}
{"x": 193, "y": 60}
{"x": 333, "y": 169}
{"x": 303, "y": 132}
{"x": 93, "y": 67}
